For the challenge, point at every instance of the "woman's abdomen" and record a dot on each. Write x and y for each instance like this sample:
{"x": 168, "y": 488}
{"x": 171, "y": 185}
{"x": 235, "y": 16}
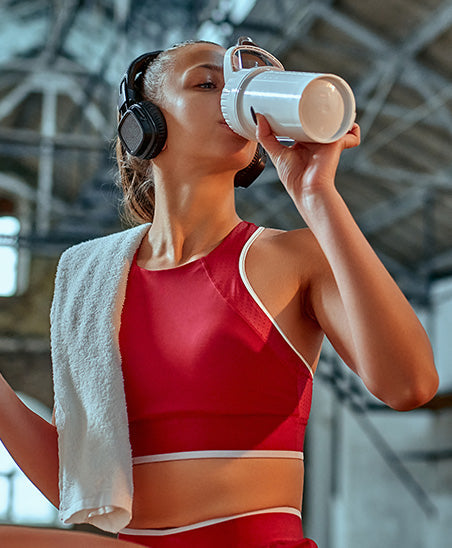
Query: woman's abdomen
{"x": 177, "y": 493}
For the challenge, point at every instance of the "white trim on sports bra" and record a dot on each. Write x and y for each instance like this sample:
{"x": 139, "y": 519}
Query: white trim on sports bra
{"x": 252, "y": 453}
{"x": 199, "y": 524}
{"x": 256, "y": 298}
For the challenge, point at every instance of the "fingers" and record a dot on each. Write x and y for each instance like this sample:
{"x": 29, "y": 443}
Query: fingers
{"x": 263, "y": 127}
{"x": 352, "y": 138}
{"x": 266, "y": 137}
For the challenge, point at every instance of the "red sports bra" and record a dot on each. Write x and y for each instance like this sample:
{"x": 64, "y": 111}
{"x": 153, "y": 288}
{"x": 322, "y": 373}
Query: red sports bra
{"x": 207, "y": 371}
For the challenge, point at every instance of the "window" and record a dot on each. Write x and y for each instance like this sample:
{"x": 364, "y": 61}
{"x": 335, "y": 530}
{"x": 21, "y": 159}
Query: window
{"x": 9, "y": 230}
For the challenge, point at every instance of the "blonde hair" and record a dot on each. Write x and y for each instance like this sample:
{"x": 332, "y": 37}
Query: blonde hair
{"x": 134, "y": 176}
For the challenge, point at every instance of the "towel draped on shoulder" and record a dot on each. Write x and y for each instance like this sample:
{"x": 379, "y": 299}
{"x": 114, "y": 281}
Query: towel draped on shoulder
{"x": 95, "y": 475}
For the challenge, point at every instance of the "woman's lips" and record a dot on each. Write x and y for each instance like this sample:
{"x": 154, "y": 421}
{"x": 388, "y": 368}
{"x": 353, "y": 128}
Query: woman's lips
{"x": 224, "y": 124}
{"x": 230, "y": 130}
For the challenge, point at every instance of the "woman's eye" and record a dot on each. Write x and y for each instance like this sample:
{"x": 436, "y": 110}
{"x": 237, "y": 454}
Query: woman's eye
{"x": 207, "y": 85}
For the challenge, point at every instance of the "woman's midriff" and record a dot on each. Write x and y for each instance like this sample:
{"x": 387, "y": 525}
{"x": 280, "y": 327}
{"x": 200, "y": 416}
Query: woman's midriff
{"x": 181, "y": 492}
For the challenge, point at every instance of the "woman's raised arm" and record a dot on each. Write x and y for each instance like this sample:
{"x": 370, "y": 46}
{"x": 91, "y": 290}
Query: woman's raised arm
{"x": 31, "y": 441}
{"x": 352, "y": 296}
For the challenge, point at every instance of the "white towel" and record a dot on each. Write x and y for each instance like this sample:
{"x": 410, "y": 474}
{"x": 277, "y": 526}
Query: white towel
{"x": 95, "y": 478}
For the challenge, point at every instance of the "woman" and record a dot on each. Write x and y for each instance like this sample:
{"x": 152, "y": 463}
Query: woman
{"x": 223, "y": 466}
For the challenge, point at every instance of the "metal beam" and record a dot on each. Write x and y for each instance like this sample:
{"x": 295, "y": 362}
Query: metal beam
{"x": 404, "y": 176}
{"x": 416, "y": 76}
{"x": 439, "y": 119}
{"x": 24, "y": 137}
{"x": 422, "y": 84}
{"x": 21, "y": 10}
{"x": 351, "y": 28}
{"x": 22, "y": 27}
{"x": 18, "y": 188}
{"x": 54, "y": 82}
{"x": 12, "y": 344}
{"x": 441, "y": 261}
{"x": 299, "y": 22}
{"x": 46, "y": 161}
{"x": 64, "y": 15}
{"x": 386, "y": 73}
{"x": 271, "y": 208}
{"x": 425, "y": 33}
{"x": 389, "y": 212}
{"x": 350, "y": 392}
{"x": 90, "y": 110}
{"x": 410, "y": 282}
{"x": 414, "y": 116}
{"x": 13, "y": 99}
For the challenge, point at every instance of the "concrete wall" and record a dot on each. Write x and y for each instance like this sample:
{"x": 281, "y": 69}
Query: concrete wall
{"x": 357, "y": 492}
{"x": 25, "y": 333}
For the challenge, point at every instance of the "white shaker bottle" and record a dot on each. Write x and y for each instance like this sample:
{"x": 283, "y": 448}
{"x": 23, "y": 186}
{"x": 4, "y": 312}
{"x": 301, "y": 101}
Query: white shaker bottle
{"x": 303, "y": 106}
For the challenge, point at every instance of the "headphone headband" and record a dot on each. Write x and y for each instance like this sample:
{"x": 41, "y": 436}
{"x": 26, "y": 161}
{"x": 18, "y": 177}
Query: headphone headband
{"x": 142, "y": 126}
{"x": 127, "y": 90}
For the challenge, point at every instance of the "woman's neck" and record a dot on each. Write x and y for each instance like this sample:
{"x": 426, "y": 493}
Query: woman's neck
{"x": 190, "y": 219}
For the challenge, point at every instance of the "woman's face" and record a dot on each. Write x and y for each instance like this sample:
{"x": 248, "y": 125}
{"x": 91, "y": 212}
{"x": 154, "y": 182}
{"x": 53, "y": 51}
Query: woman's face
{"x": 197, "y": 131}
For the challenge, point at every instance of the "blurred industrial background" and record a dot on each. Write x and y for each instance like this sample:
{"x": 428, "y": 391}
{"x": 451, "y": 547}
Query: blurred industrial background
{"x": 375, "y": 477}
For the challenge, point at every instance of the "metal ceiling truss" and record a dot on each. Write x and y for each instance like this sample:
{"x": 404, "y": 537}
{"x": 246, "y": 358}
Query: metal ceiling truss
{"x": 50, "y": 85}
{"x": 389, "y": 64}
{"x": 382, "y": 77}
{"x": 389, "y": 212}
{"x": 55, "y": 71}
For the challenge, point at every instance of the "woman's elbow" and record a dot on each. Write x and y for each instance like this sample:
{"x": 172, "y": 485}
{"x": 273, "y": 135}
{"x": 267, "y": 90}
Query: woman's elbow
{"x": 415, "y": 395}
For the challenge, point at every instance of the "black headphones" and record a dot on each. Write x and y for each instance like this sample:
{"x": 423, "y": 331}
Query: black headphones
{"x": 142, "y": 127}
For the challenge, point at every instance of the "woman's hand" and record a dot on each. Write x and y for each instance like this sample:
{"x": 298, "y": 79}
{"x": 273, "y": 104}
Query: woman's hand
{"x": 304, "y": 168}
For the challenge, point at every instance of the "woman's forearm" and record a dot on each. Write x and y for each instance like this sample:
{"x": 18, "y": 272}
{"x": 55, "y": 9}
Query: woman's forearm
{"x": 31, "y": 441}
{"x": 393, "y": 355}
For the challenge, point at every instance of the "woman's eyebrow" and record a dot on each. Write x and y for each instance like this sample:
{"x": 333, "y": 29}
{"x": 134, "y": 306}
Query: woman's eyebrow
{"x": 210, "y": 66}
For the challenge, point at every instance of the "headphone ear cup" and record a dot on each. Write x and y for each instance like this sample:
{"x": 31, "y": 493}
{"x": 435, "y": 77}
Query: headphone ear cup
{"x": 142, "y": 130}
{"x": 251, "y": 172}
{"x": 159, "y": 131}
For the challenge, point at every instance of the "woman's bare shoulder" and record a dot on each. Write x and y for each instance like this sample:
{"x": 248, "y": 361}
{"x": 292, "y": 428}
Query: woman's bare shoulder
{"x": 297, "y": 246}
{"x": 291, "y": 257}
{"x": 287, "y": 237}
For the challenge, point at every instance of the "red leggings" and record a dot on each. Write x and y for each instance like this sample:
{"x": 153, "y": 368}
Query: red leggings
{"x": 274, "y": 529}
